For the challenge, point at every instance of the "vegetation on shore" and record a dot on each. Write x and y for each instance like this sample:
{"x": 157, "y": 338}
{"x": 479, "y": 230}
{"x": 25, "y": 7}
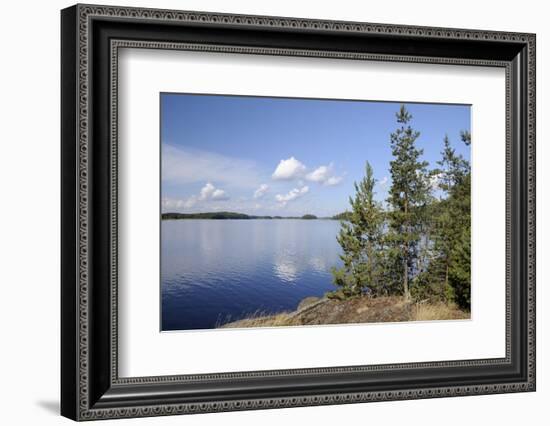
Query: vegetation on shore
{"x": 418, "y": 245}
{"x": 207, "y": 215}
{"x": 362, "y": 309}
{"x": 230, "y": 215}
{"x": 309, "y": 216}
{"x": 342, "y": 216}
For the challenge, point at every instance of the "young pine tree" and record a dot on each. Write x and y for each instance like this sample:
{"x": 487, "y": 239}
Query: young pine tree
{"x": 359, "y": 238}
{"x": 466, "y": 137}
{"x": 460, "y": 264}
{"x": 408, "y": 197}
{"x": 452, "y": 172}
{"x": 453, "y": 168}
{"x": 452, "y": 225}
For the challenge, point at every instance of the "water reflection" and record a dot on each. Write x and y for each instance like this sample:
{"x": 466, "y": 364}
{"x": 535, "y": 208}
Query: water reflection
{"x": 213, "y": 269}
{"x": 318, "y": 264}
{"x": 286, "y": 270}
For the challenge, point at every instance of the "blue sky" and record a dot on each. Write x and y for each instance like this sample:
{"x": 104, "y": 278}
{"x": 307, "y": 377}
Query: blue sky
{"x": 282, "y": 156}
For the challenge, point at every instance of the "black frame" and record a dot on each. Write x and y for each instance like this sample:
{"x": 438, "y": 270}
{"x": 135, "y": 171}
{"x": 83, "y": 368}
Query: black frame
{"x": 91, "y": 37}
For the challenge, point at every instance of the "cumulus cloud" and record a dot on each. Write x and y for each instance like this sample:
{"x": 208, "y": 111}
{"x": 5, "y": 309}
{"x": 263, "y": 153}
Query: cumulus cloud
{"x": 333, "y": 180}
{"x": 324, "y": 175}
{"x": 210, "y": 192}
{"x": 219, "y": 194}
{"x": 383, "y": 183}
{"x": 260, "y": 192}
{"x": 292, "y": 195}
{"x": 289, "y": 169}
{"x": 435, "y": 180}
{"x": 207, "y": 193}
{"x": 320, "y": 174}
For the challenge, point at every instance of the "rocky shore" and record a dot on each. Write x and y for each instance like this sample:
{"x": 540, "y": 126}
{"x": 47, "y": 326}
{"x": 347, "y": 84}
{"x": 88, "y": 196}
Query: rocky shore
{"x": 318, "y": 311}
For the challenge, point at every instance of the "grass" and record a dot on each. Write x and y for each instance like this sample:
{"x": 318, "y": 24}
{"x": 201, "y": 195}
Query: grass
{"x": 437, "y": 312}
{"x": 260, "y": 319}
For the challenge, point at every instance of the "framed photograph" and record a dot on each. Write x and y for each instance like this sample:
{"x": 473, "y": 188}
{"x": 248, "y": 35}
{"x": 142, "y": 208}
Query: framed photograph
{"x": 263, "y": 212}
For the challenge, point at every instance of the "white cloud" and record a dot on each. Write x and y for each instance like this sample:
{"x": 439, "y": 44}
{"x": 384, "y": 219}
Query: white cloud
{"x": 219, "y": 194}
{"x": 190, "y": 202}
{"x": 324, "y": 175}
{"x": 292, "y": 195}
{"x": 174, "y": 204}
{"x": 383, "y": 183}
{"x": 435, "y": 181}
{"x": 289, "y": 169}
{"x": 320, "y": 174}
{"x": 207, "y": 191}
{"x": 210, "y": 192}
{"x": 260, "y": 192}
{"x": 333, "y": 180}
{"x": 182, "y": 166}
{"x": 171, "y": 203}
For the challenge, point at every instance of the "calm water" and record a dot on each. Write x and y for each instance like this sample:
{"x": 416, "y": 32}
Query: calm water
{"x": 215, "y": 271}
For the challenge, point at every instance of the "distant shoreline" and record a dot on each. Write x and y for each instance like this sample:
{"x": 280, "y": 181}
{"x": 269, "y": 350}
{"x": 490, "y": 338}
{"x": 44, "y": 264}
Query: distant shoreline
{"x": 242, "y": 216}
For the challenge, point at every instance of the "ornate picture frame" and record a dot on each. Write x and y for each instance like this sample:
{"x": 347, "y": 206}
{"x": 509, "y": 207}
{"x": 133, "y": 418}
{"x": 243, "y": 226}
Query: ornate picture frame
{"x": 91, "y": 37}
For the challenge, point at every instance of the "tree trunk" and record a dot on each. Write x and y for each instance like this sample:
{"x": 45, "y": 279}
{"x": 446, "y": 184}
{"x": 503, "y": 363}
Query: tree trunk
{"x": 406, "y": 292}
{"x": 446, "y": 277}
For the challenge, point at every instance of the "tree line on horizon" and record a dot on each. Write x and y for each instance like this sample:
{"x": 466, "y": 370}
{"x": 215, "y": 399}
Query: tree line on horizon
{"x": 418, "y": 246}
{"x": 231, "y": 215}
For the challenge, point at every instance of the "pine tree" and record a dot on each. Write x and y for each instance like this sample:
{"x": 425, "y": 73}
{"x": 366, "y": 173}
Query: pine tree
{"x": 359, "y": 238}
{"x": 452, "y": 225}
{"x": 453, "y": 168}
{"x": 408, "y": 197}
{"x": 460, "y": 260}
{"x": 466, "y": 137}
{"x": 452, "y": 172}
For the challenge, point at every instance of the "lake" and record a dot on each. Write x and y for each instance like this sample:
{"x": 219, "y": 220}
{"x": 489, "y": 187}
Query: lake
{"x": 217, "y": 271}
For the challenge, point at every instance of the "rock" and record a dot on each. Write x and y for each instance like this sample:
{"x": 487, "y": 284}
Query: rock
{"x": 336, "y": 295}
{"x": 306, "y": 302}
{"x": 362, "y": 309}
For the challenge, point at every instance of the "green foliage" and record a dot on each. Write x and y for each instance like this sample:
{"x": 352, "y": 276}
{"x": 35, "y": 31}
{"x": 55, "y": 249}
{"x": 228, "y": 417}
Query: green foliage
{"x": 360, "y": 237}
{"x": 420, "y": 246}
{"x": 408, "y": 196}
{"x": 342, "y": 216}
{"x": 466, "y": 137}
{"x": 452, "y": 227}
{"x": 460, "y": 270}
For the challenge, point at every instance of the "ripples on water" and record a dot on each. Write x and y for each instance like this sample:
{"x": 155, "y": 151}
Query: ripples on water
{"x": 215, "y": 271}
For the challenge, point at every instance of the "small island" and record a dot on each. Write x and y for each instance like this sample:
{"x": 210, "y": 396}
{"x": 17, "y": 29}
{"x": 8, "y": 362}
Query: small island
{"x": 309, "y": 216}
